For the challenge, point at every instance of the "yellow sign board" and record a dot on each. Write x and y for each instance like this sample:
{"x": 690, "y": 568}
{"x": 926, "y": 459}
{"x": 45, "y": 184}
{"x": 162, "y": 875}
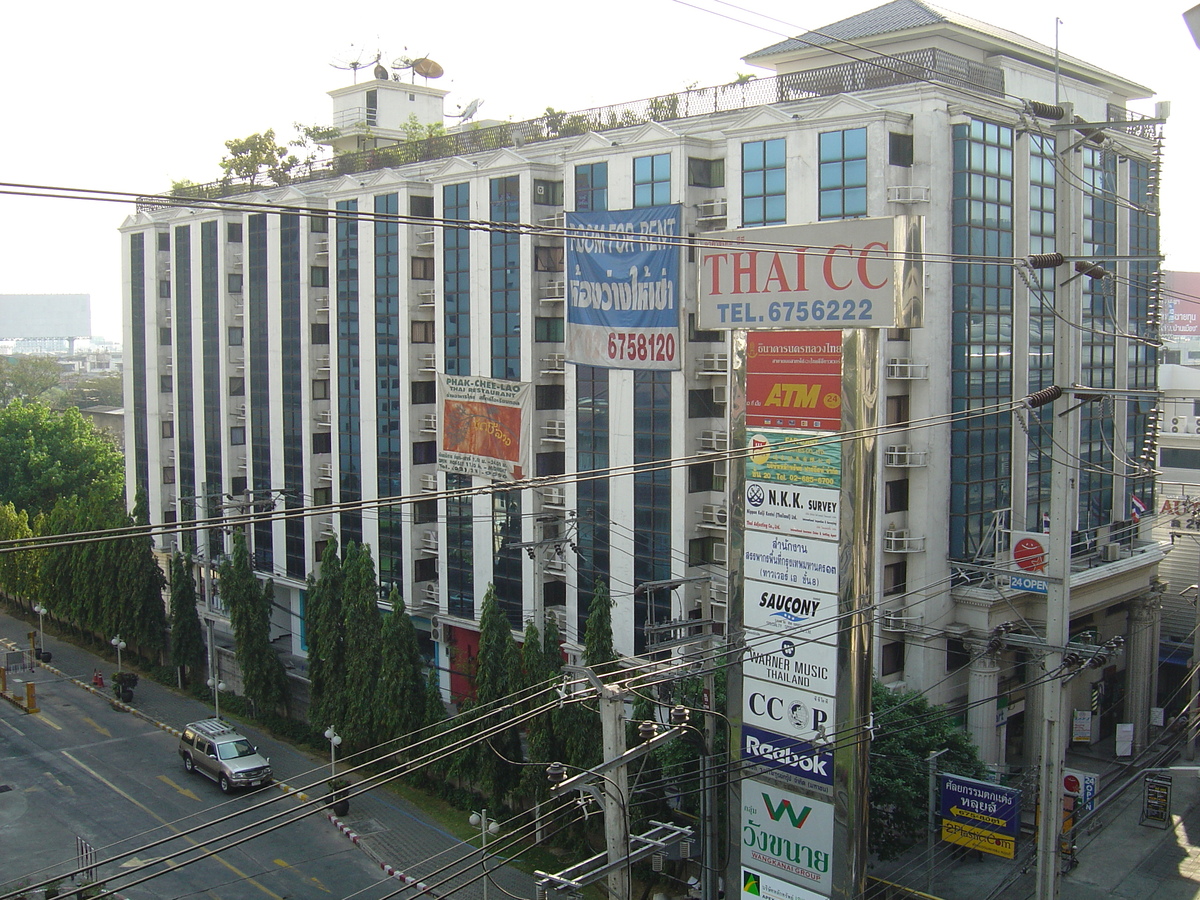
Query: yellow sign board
{"x": 978, "y": 839}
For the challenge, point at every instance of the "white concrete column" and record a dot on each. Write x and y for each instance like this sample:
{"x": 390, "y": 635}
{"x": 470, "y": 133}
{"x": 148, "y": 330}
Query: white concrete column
{"x": 1141, "y": 666}
{"x": 982, "y": 686}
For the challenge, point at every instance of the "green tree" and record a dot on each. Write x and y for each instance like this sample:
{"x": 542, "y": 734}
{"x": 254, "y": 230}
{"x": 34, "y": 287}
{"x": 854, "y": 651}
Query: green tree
{"x": 27, "y": 377}
{"x": 360, "y": 610}
{"x": 252, "y": 156}
{"x": 433, "y": 720}
{"x": 598, "y": 650}
{"x": 907, "y": 729}
{"x": 497, "y": 676}
{"x": 263, "y": 676}
{"x": 325, "y": 630}
{"x": 104, "y": 389}
{"x": 400, "y": 695}
{"x": 18, "y": 568}
{"x": 187, "y": 638}
{"x": 47, "y": 455}
{"x": 541, "y": 661}
{"x": 140, "y": 582}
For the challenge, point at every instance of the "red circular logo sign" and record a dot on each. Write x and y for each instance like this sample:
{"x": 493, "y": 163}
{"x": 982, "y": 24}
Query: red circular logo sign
{"x": 1071, "y": 783}
{"x": 1029, "y": 554}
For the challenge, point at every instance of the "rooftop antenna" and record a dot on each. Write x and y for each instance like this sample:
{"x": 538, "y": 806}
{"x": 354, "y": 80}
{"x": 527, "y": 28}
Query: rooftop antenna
{"x": 468, "y": 113}
{"x": 354, "y": 59}
{"x": 423, "y": 66}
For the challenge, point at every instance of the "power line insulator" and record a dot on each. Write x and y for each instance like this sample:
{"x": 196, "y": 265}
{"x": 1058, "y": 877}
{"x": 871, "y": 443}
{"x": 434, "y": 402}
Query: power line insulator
{"x": 1042, "y": 397}
{"x": 1091, "y": 270}
{"x": 1045, "y": 110}
{"x": 1045, "y": 260}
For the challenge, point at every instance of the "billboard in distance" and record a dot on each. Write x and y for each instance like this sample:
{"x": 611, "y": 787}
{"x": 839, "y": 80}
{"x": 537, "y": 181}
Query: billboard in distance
{"x": 481, "y": 429}
{"x": 623, "y": 290}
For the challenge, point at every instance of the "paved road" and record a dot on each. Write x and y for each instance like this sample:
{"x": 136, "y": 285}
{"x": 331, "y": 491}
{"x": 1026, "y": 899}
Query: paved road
{"x": 388, "y": 834}
{"x": 83, "y": 768}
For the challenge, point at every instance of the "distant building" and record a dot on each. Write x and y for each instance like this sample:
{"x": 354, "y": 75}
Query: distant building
{"x": 47, "y": 323}
{"x": 296, "y": 358}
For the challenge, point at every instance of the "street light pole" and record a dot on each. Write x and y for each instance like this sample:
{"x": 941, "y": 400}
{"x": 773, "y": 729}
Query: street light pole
{"x": 486, "y": 826}
{"x": 41, "y": 611}
{"x": 335, "y": 741}
{"x": 120, "y": 645}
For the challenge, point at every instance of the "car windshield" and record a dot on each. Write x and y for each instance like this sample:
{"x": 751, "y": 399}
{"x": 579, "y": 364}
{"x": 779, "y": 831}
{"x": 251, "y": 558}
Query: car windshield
{"x": 235, "y": 749}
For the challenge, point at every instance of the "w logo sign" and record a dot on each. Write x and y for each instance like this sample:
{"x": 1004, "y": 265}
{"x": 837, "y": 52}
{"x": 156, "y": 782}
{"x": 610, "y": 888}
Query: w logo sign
{"x": 777, "y": 812}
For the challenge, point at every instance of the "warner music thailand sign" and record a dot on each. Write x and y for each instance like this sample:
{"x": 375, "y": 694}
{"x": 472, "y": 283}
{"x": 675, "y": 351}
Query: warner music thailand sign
{"x": 827, "y": 275}
{"x": 795, "y": 662}
{"x": 623, "y": 291}
{"x": 790, "y": 760}
{"x": 791, "y": 612}
{"x": 481, "y": 428}
{"x": 787, "y": 835}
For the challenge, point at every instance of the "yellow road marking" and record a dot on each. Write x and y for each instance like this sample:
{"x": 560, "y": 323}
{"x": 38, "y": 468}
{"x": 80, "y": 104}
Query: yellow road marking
{"x": 165, "y": 780}
{"x": 232, "y": 868}
{"x": 43, "y": 717}
{"x": 100, "y": 728}
{"x": 284, "y": 864}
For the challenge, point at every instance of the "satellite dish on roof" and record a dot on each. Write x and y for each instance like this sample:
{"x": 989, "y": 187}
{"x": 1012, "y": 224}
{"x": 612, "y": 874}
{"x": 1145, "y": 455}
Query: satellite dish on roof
{"x": 427, "y": 68}
{"x": 381, "y": 72}
{"x": 469, "y": 111}
{"x": 355, "y": 59}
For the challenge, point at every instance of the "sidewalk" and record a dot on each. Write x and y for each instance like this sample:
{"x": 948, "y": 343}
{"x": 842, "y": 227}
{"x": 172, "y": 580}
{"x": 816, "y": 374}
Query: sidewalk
{"x": 406, "y": 845}
{"x": 1119, "y": 860}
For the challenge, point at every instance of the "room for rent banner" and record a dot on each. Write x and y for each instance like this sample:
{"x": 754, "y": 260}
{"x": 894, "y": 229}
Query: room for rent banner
{"x": 623, "y": 289}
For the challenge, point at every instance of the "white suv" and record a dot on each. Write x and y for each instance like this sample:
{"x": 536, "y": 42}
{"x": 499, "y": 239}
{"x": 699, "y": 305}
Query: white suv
{"x": 211, "y": 747}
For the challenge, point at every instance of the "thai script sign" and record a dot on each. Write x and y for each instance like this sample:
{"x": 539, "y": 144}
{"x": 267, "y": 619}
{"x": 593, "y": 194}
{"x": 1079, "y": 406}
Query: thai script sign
{"x": 794, "y": 379}
{"x": 623, "y": 293}
{"x": 757, "y": 886}
{"x": 788, "y": 835}
{"x": 481, "y": 429}
{"x": 805, "y": 511}
{"x": 980, "y": 815}
{"x": 794, "y": 457}
{"x": 828, "y": 275}
{"x": 794, "y": 562}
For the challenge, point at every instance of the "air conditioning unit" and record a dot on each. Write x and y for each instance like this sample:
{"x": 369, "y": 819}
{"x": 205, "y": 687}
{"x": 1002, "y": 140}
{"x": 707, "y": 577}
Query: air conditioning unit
{"x": 1110, "y": 552}
{"x": 238, "y": 412}
{"x": 429, "y": 594}
{"x": 555, "y": 430}
{"x": 326, "y": 472}
{"x": 558, "y": 220}
{"x": 559, "y": 614}
{"x": 712, "y": 514}
{"x": 554, "y": 290}
{"x": 720, "y": 468}
{"x": 428, "y": 299}
{"x": 902, "y": 541}
{"x": 714, "y": 440}
{"x": 907, "y": 370}
{"x": 893, "y": 620}
{"x": 426, "y": 237}
{"x": 322, "y": 364}
{"x": 713, "y": 364}
{"x": 325, "y": 418}
{"x": 720, "y": 393}
{"x": 429, "y": 541}
{"x": 429, "y": 423}
{"x": 903, "y": 456}
{"x": 712, "y": 209}
{"x": 554, "y": 496}
{"x": 429, "y": 363}
{"x": 720, "y": 553}
{"x": 429, "y": 483}
{"x": 554, "y": 364}
{"x": 556, "y": 565}
{"x": 321, "y": 247}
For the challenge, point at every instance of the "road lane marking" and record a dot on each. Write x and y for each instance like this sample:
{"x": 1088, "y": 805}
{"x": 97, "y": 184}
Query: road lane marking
{"x": 165, "y": 780}
{"x": 100, "y": 728}
{"x": 42, "y": 717}
{"x": 232, "y": 868}
{"x": 13, "y": 727}
{"x": 284, "y": 864}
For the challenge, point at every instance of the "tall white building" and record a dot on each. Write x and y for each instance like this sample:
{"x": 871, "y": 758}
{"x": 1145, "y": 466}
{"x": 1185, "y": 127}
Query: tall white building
{"x": 289, "y": 356}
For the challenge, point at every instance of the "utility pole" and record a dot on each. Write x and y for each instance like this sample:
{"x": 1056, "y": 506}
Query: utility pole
{"x": 930, "y": 838}
{"x": 616, "y": 792}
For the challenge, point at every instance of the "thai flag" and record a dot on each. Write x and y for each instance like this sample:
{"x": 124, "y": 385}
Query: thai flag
{"x": 1045, "y": 523}
{"x": 1136, "y": 508}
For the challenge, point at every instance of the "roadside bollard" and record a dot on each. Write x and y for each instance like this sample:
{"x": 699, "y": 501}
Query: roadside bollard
{"x": 30, "y": 697}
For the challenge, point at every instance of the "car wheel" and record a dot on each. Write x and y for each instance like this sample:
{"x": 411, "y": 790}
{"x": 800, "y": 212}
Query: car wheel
{"x": 226, "y": 787}
{"x": 188, "y": 765}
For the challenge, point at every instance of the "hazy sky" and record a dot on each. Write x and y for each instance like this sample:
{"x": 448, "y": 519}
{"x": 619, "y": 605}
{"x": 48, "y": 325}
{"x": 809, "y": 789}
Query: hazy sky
{"x": 131, "y": 96}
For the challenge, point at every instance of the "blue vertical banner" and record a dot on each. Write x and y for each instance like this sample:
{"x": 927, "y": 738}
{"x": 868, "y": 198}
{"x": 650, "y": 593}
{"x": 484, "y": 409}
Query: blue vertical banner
{"x": 623, "y": 288}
